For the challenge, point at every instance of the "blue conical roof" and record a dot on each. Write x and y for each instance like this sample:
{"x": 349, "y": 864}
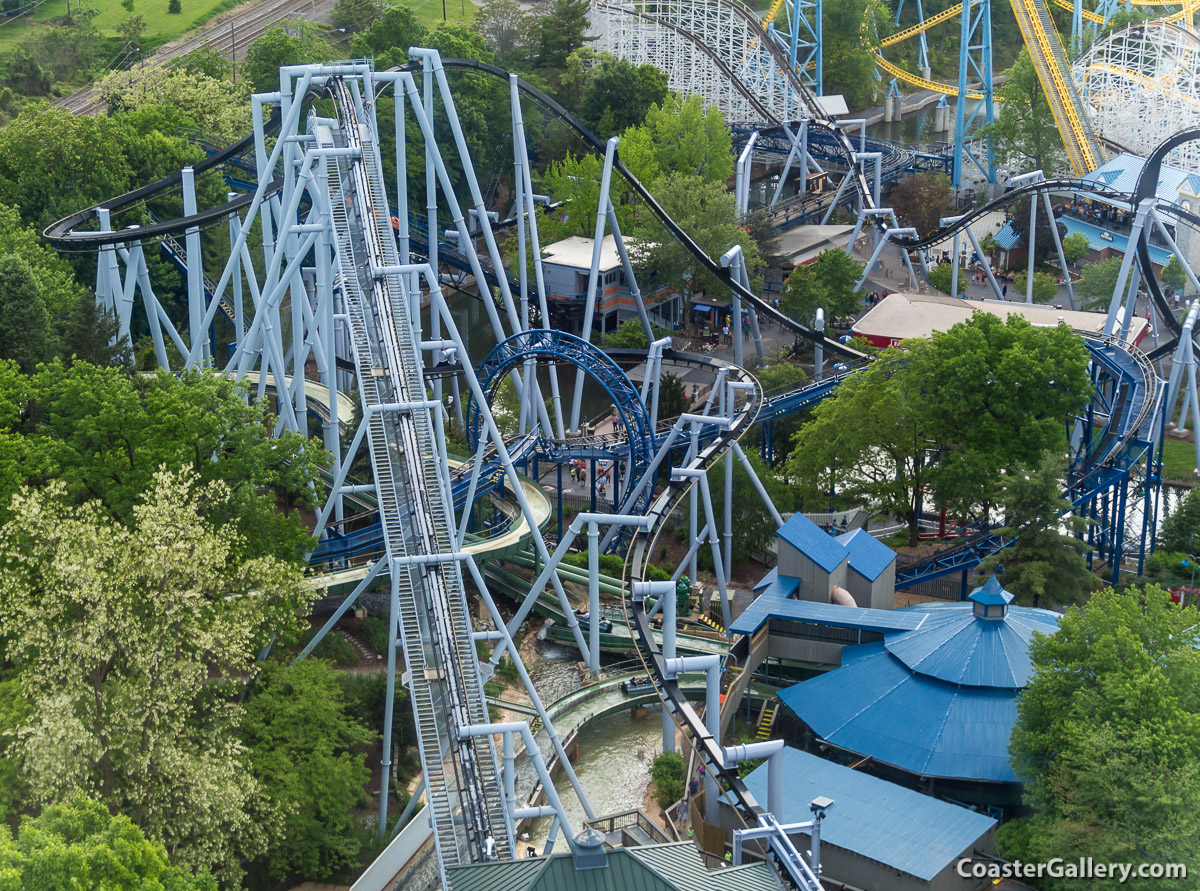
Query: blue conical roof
{"x": 957, "y": 646}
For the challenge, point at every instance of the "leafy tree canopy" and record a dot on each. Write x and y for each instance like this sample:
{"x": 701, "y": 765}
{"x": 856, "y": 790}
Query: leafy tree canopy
{"x": 218, "y": 108}
{"x": 1045, "y": 286}
{"x": 562, "y": 29}
{"x": 943, "y": 416}
{"x": 1025, "y": 134}
{"x": 679, "y": 136}
{"x": 301, "y": 746}
{"x": 121, "y": 634}
{"x": 25, "y": 336}
{"x": 55, "y": 281}
{"x": 922, "y": 200}
{"x": 1173, "y": 275}
{"x": 618, "y": 95}
{"x": 1097, "y": 282}
{"x": 79, "y": 844}
{"x": 104, "y": 434}
{"x": 1181, "y": 528}
{"x": 1075, "y": 247}
{"x": 1107, "y": 738}
{"x": 1044, "y": 565}
{"x": 292, "y": 43}
{"x": 826, "y": 283}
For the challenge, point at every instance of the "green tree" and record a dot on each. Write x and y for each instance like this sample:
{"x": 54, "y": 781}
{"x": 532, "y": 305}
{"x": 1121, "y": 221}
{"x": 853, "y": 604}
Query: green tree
{"x": 1181, "y": 528}
{"x": 54, "y": 277}
{"x": 24, "y": 326}
{"x": 14, "y": 713}
{"x": 917, "y": 422}
{"x": 939, "y": 277}
{"x": 777, "y": 372}
{"x": 1107, "y": 739}
{"x": 355, "y": 15}
{"x": 91, "y": 336}
{"x": 629, "y": 335}
{"x": 52, "y": 163}
{"x": 618, "y": 95}
{"x": 104, "y": 434}
{"x": 879, "y": 417}
{"x": 706, "y": 212}
{"x": 390, "y": 35}
{"x": 666, "y": 772}
{"x": 1097, "y": 282}
{"x": 207, "y": 61}
{"x": 672, "y": 397}
{"x": 1025, "y": 134}
{"x": 1045, "y": 564}
{"x": 26, "y": 76}
{"x": 218, "y": 108}
{"x": 1173, "y": 275}
{"x": 174, "y": 7}
{"x": 849, "y": 53}
{"x": 301, "y": 746}
{"x": 122, "y": 634}
{"x": 562, "y": 30}
{"x": 826, "y": 283}
{"x": 510, "y": 32}
{"x": 1045, "y": 286}
{"x": 922, "y": 200}
{"x": 1001, "y": 393}
{"x": 679, "y": 136}
{"x": 293, "y": 43}
{"x": 1075, "y": 247}
{"x": 79, "y": 844}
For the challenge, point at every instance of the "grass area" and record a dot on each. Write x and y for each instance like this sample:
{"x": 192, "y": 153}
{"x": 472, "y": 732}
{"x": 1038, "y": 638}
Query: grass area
{"x": 1179, "y": 460}
{"x": 429, "y": 12}
{"x": 160, "y": 26}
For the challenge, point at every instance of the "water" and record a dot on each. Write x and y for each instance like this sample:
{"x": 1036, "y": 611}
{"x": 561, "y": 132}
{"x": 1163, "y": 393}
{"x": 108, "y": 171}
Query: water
{"x": 918, "y": 128}
{"x": 556, "y": 674}
{"x": 615, "y": 753}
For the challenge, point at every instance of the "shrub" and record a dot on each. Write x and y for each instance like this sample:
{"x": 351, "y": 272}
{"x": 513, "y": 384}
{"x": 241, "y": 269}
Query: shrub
{"x": 377, "y": 634}
{"x": 666, "y": 771}
{"x": 335, "y": 648}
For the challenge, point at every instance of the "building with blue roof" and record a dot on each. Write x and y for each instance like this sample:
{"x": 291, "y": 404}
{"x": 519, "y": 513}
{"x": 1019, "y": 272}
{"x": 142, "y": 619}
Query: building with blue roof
{"x": 878, "y": 835}
{"x": 938, "y": 701}
{"x": 822, "y": 562}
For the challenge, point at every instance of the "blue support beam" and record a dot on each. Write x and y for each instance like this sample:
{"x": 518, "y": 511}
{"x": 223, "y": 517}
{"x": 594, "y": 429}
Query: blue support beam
{"x": 974, "y": 64}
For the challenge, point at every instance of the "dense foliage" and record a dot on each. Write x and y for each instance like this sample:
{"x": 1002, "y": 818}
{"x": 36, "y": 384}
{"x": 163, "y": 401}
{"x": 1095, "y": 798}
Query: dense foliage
{"x": 1107, "y": 739}
{"x": 103, "y": 434}
{"x": 941, "y": 416}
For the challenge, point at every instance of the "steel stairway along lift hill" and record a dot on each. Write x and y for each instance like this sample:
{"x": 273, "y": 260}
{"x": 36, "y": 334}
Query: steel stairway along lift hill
{"x": 1054, "y": 73}
{"x": 429, "y": 603}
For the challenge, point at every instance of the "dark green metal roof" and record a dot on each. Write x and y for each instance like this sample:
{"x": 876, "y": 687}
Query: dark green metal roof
{"x": 674, "y": 867}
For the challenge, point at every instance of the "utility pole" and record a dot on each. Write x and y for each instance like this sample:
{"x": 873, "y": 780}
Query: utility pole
{"x": 233, "y": 49}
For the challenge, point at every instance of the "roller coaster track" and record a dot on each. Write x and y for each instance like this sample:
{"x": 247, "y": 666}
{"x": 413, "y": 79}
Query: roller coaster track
{"x": 917, "y": 81}
{"x": 738, "y": 84}
{"x": 1054, "y": 72}
{"x": 460, "y": 774}
{"x": 1088, "y": 16}
{"x": 944, "y": 16}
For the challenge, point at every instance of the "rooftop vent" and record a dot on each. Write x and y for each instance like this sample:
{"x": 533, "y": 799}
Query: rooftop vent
{"x": 589, "y": 850}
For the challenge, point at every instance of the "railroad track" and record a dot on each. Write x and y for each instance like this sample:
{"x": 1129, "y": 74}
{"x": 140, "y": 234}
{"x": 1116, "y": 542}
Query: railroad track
{"x": 231, "y": 35}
